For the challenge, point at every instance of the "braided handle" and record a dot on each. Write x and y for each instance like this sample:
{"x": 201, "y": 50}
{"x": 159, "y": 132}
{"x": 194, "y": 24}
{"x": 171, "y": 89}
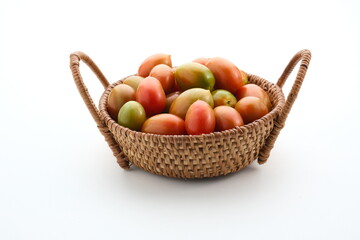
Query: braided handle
{"x": 74, "y": 66}
{"x": 304, "y": 56}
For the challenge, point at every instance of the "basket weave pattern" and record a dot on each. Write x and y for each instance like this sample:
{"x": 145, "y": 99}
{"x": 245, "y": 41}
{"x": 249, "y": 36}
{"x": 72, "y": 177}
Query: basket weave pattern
{"x": 202, "y": 156}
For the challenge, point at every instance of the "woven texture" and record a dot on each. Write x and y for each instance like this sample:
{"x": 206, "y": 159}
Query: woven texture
{"x": 203, "y": 156}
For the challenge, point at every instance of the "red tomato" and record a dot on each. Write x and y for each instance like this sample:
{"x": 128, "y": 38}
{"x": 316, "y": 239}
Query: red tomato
{"x": 253, "y": 90}
{"x": 164, "y": 124}
{"x": 118, "y": 96}
{"x": 226, "y": 118}
{"x": 151, "y": 96}
{"x": 201, "y": 60}
{"x": 251, "y": 108}
{"x": 200, "y": 118}
{"x": 227, "y": 75}
{"x": 165, "y": 75}
{"x": 152, "y": 61}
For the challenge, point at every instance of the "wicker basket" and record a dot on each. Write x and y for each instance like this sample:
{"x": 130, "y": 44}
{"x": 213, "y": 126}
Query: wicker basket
{"x": 202, "y": 156}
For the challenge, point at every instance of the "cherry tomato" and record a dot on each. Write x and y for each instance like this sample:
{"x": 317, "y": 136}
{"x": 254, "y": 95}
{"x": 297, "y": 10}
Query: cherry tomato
{"x": 133, "y": 81}
{"x": 182, "y": 103}
{"x": 164, "y": 124}
{"x": 253, "y": 90}
{"x": 200, "y": 118}
{"x": 223, "y": 97}
{"x": 227, "y": 75}
{"x": 226, "y": 118}
{"x": 151, "y": 96}
{"x": 118, "y": 96}
{"x": 152, "y": 61}
{"x": 132, "y": 115}
{"x": 194, "y": 75}
{"x": 170, "y": 98}
{"x": 201, "y": 60}
{"x": 251, "y": 109}
{"x": 165, "y": 75}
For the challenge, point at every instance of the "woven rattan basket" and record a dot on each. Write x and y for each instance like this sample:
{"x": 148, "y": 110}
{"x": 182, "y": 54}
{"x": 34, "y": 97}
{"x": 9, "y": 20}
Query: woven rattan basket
{"x": 203, "y": 156}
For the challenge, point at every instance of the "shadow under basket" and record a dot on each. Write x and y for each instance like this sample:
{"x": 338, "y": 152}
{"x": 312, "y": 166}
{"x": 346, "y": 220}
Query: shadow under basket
{"x": 199, "y": 156}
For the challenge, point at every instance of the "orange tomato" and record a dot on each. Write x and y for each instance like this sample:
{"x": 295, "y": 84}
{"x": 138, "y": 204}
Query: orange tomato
{"x": 227, "y": 75}
{"x": 200, "y": 118}
{"x": 118, "y": 96}
{"x": 164, "y": 124}
{"x": 151, "y": 96}
{"x": 226, "y": 118}
{"x": 251, "y": 108}
{"x": 165, "y": 75}
{"x": 152, "y": 61}
{"x": 253, "y": 90}
{"x": 201, "y": 60}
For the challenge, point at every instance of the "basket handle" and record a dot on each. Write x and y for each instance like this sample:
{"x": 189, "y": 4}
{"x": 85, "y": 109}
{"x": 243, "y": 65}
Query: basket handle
{"x": 104, "y": 130}
{"x": 304, "y": 56}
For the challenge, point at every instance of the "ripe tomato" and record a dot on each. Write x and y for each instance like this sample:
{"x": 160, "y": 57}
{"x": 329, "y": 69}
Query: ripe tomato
{"x": 152, "y": 61}
{"x": 182, "y": 103}
{"x": 253, "y": 90}
{"x": 151, "y": 96}
{"x": 164, "y": 124}
{"x": 223, "y": 97}
{"x": 118, "y": 96}
{"x": 227, "y": 75}
{"x": 251, "y": 108}
{"x": 200, "y": 118}
{"x": 170, "y": 98}
{"x": 201, "y": 60}
{"x": 165, "y": 75}
{"x": 226, "y": 118}
{"x": 132, "y": 115}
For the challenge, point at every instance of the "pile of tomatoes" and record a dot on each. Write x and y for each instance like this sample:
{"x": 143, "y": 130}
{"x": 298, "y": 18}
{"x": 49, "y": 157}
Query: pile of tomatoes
{"x": 199, "y": 97}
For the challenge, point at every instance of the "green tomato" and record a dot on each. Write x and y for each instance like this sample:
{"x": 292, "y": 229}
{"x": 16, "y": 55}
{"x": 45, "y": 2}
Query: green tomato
{"x": 132, "y": 115}
{"x": 194, "y": 75}
{"x": 223, "y": 97}
{"x": 133, "y": 81}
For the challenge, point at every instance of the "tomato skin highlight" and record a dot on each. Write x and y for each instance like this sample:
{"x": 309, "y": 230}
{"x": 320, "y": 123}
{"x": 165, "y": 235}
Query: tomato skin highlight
{"x": 153, "y": 60}
{"x": 151, "y": 96}
{"x": 118, "y": 96}
{"x": 165, "y": 75}
{"x": 253, "y": 90}
{"x": 200, "y": 118}
{"x": 251, "y": 109}
{"x": 227, "y": 75}
{"x": 226, "y": 118}
{"x": 164, "y": 124}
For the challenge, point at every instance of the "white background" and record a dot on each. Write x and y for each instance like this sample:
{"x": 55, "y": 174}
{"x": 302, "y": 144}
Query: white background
{"x": 59, "y": 180}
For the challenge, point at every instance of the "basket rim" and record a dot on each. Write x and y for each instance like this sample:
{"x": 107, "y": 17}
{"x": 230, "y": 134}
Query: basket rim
{"x": 273, "y": 114}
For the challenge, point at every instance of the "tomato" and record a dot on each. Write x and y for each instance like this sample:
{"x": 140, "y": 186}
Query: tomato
{"x": 244, "y": 76}
{"x": 194, "y": 75}
{"x": 200, "y": 118}
{"x": 201, "y": 60}
{"x": 118, "y": 96}
{"x": 164, "y": 124}
{"x": 132, "y": 115}
{"x": 165, "y": 75}
{"x": 254, "y": 90}
{"x": 182, "y": 103}
{"x": 152, "y": 61}
{"x": 223, "y": 97}
{"x": 227, "y": 75}
{"x": 170, "y": 98}
{"x": 133, "y": 81}
{"x": 226, "y": 118}
{"x": 151, "y": 96}
{"x": 251, "y": 109}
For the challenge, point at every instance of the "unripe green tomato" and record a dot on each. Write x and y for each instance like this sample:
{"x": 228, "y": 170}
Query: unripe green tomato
{"x": 194, "y": 75}
{"x": 133, "y": 81}
{"x": 223, "y": 97}
{"x": 132, "y": 115}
